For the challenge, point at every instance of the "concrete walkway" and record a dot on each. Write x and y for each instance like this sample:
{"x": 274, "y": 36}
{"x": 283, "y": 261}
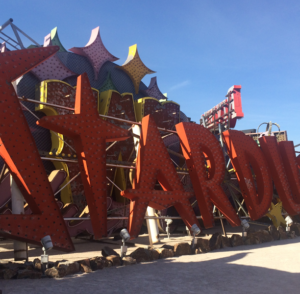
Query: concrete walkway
{"x": 268, "y": 268}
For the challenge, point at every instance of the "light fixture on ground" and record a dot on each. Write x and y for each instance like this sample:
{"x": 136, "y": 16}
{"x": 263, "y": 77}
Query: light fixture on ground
{"x": 245, "y": 226}
{"x": 47, "y": 245}
{"x": 125, "y": 237}
{"x": 289, "y": 222}
{"x": 168, "y": 222}
{"x": 195, "y": 231}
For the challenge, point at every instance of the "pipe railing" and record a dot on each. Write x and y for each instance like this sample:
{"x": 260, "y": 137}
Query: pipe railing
{"x": 101, "y": 115}
{"x": 145, "y": 217}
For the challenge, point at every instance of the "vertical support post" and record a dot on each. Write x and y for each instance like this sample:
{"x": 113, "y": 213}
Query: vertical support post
{"x": 222, "y": 224}
{"x": 17, "y": 201}
{"x": 152, "y": 226}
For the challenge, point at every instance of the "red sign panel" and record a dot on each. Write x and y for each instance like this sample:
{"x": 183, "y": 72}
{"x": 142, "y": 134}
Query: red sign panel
{"x": 230, "y": 107}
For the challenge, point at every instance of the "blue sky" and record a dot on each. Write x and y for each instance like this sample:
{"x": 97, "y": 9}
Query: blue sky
{"x": 199, "y": 49}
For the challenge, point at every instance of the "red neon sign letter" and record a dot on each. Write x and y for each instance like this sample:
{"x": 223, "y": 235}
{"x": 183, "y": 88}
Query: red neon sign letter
{"x": 196, "y": 141}
{"x": 244, "y": 153}
{"x": 153, "y": 163}
{"x": 25, "y": 164}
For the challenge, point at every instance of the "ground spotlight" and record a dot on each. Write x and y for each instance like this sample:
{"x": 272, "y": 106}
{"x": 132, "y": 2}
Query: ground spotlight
{"x": 125, "y": 237}
{"x": 245, "y": 226}
{"x": 47, "y": 245}
{"x": 289, "y": 222}
{"x": 168, "y": 222}
{"x": 195, "y": 231}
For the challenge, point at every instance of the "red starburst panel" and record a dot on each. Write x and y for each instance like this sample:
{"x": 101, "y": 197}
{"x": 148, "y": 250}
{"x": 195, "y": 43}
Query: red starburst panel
{"x": 199, "y": 145}
{"x": 19, "y": 151}
{"x": 249, "y": 162}
{"x": 276, "y": 157}
{"x": 60, "y": 93}
{"x": 154, "y": 164}
{"x": 90, "y": 134}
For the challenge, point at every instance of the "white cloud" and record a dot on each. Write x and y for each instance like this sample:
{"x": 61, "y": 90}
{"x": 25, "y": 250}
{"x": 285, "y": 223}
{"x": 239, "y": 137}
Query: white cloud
{"x": 180, "y": 85}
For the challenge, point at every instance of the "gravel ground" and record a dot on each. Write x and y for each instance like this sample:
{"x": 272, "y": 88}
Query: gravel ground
{"x": 268, "y": 268}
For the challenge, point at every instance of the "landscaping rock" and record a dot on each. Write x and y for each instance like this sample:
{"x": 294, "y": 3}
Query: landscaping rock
{"x": 202, "y": 245}
{"x": 274, "y": 232}
{"x": 114, "y": 259}
{"x": 215, "y": 242}
{"x": 282, "y": 233}
{"x": 141, "y": 255}
{"x": 251, "y": 239}
{"x": 29, "y": 274}
{"x": 107, "y": 251}
{"x": 236, "y": 240}
{"x": 55, "y": 272}
{"x": 128, "y": 260}
{"x": 168, "y": 247}
{"x": 85, "y": 262}
{"x": 291, "y": 235}
{"x": 3, "y": 266}
{"x": 225, "y": 242}
{"x": 197, "y": 251}
{"x": 28, "y": 265}
{"x": 154, "y": 255}
{"x": 37, "y": 264}
{"x": 71, "y": 267}
{"x": 263, "y": 236}
{"x": 53, "y": 264}
{"x": 165, "y": 253}
{"x": 15, "y": 266}
{"x": 94, "y": 263}
{"x": 85, "y": 268}
{"x": 182, "y": 249}
{"x": 296, "y": 228}
{"x": 7, "y": 274}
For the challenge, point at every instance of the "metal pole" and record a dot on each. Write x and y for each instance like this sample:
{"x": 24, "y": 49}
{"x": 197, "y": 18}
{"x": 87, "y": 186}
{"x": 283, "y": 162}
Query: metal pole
{"x": 17, "y": 36}
{"x": 26, "y": 35}
{"x": 9, "y": 38}
{"x": 7, "y": 23}
{"x": 235, "y": 197}
{"x": 9, "y": 43}
{"x": 222, "y": 224}
{"x": 58, "y": 159}
{"x": 145, "y": 217}
{"x": 112, "y": 144}
{"x": 101, "y": 115}
{"x": 175, "y": 153}
{"x": 47, "y": 104}
{"x": 114, "y": 184}
{"x": 17, "y": 201}
{"x": 107, "y": 164}
{"x": 182, "y": 172}
{"x": 53, "y": 132}
{"x": 67, "y": 184}
{"x": 2, "y": 172}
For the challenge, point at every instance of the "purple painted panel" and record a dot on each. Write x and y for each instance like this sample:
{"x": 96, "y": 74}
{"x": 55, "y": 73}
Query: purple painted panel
{"x": 95, "y": 52}
{"x": 153, "y": 90}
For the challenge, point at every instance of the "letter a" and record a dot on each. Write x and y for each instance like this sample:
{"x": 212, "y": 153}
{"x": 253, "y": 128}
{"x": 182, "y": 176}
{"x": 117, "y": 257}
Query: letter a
{"x": 154, "y": 163}
{"x": 196, "y": 141}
